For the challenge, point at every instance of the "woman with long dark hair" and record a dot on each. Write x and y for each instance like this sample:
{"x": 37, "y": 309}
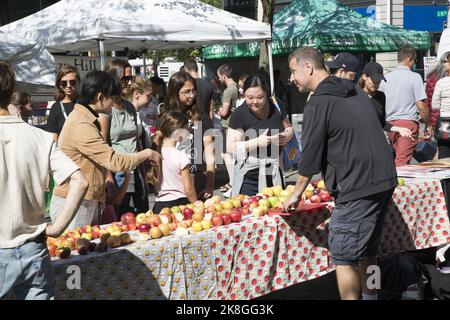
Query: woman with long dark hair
{"x": 82, "y": 142}
{"x": 181, "y": 96}
{"x": 258, "y": 129}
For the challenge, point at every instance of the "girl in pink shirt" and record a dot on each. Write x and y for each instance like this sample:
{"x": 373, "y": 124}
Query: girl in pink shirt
{"x": 172, "y": 179}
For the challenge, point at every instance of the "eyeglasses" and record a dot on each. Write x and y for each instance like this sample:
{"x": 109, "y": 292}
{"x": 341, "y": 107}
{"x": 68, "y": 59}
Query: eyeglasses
{"x": 189, "y": 93}
{"x": 64, "y": 83}
{"x": 126, "y": 79}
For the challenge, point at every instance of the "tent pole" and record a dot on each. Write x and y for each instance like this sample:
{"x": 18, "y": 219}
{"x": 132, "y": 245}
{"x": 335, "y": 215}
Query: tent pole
{"x": 269, "y": 53}
{"x": 101, "y": 51}
{"x": 144, "y": 62}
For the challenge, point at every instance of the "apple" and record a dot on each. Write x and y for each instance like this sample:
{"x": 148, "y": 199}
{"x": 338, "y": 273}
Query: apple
{"x": 218, "y": 207}
{"x": 113, "y": 242}
{"x": 316, "y": 191}
{"x": 208, "y": 216}
{"x": 92, "y": 246}
{"x": 82, "y": 251}
{"x": 227, "y": 218}
{"x": 282, "y": 199}
{"x": 236, "y": 215}
{"x": 173, "y": 226}
{"x": 211, "y": 209}
{"x": 267, "y": 192}
{"x": 277, "y": 190}
{"x": 182, "y": 207}
{"x": 82, "y": 242}
{"x": 175, "y": 209}
{"x": 315, "y": 199}
{"x": 165, "y": 211}
{"x": 69, "y": 243}
{"x": 132, "y": 227}
{"x": 265, "y": 209}
{"x": 165, "y": 218}
{"x": 236, "y": 203}
{"x": 209, "y": 202}
{"x": 155, "y": 233}
{"x": 178, "y": 216}
{"x": 227, "y": 204}
{"x": 197, "y": 226}
{"x": 128, "y": 218}
{"x": 198, "y": 203}
{"x": 325, "y": 196}
{"x": 62, "y": 252}
{"x": 264, "y": 202}
{"x": 52, "y": 250}
{"x": 154, "y": 219}
{"x": 314, "y": 183}
{"x": 124, "y": 228}
{"x": 400, "y": 182}
{"x": 102, "y": 247}
{"x": 217, "y": 221}
{"x": 321, "y": 184}
{"x": 245, "y": 211}
{"x": 273, "y": 201}
{"x": 125, "y": 238}
{"x": 188, "y": 222}
{"x": 245, "y": 202}
{"x": 141, "y": 218}
{"x": 308, "y": 193}
{"x": 188, "y": 213}
{"x": 199, "y": 209}
{"x": 206, "y": 224}
{"x": 258, "y": 212}
{"x": 165, "y": 229}
{"x": 285, "y": 193}
{"x": 104, "y": 237}
{"x": 254, "y": 205}
{"x": 144, "y": 228}
{"x": 198, "y": 217}
{"x": 216, "y": 199}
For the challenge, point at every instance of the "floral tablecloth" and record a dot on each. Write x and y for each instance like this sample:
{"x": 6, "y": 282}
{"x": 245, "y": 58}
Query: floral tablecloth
{"x": 248, "y": 259}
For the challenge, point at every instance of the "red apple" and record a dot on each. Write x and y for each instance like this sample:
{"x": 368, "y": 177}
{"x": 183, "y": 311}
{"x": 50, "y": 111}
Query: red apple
{"x": 144, "y": 228}
{"x": 227, "y": 218}
{"x": 316, "y": 191}
{"x": 132, "y": 226}
{"x": 245, "y": 211}
{"x": 315, "y": 199}
{"x": 52, "y": 250}
{"x": 211, "y": 209}
{"x": 245, "y": 202}
{"x": 236, "y": 215}
{"x": 128, "y": 218}
{"x": 199, "y": 209}
{"x": 217, "y": 221}
{"x": 154, "y": 219}
{"x": 188, "y": 213}
{"x": 325, "y": 196}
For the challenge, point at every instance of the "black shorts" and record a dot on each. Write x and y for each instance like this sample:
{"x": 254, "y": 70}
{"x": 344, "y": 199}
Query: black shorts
{"x": 355, "y": 228}
{"x": 159, "y": 205}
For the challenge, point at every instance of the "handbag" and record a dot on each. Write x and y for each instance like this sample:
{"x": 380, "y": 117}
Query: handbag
{"x": 442, "y": 131}
{"x": 292, "y": 150}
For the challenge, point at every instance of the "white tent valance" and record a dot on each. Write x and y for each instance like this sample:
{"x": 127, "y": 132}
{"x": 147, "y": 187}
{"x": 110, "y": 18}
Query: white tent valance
{"x": 32, "y": 63}
{"x": 76, "y": 25}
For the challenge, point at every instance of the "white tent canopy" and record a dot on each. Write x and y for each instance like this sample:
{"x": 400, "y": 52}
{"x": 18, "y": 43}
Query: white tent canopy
{"x": 76, "y": 25}
{"x": 32, "y": 63}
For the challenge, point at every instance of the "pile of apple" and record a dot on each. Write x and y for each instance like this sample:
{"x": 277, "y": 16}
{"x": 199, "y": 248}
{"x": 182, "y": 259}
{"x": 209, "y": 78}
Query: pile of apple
{"x": 80, "y": 240}
{"x": 316, "y": 192}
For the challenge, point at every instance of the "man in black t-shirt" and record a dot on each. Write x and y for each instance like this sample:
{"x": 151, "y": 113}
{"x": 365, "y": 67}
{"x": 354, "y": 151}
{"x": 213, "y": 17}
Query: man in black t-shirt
{"x": 342, "y": 139}
{"x": 205, "y": 89}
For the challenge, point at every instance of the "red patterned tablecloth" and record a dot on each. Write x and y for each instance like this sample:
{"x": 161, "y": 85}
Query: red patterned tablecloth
{"x": 271, "y": 253}
{"x": 251, "y": 258}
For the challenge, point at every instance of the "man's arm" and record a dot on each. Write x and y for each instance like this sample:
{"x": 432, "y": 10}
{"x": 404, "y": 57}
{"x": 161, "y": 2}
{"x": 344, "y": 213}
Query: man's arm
{"x": 224, "y": 110}
{"x": 77, "y": 189}
{"x": 296, "y": 196}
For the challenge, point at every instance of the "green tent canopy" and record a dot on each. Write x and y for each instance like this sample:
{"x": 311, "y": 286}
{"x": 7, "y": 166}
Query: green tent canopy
{"x": 328, "y": 26}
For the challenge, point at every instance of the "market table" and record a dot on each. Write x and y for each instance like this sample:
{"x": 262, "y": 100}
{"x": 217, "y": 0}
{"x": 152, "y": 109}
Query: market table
{"x": 248, "y": 259}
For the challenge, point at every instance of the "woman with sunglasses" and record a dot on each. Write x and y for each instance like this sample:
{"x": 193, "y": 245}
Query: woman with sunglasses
{"x": 66, "y": 94}
{"x": 123, "y": 136}
{"x": 181, "y": 96}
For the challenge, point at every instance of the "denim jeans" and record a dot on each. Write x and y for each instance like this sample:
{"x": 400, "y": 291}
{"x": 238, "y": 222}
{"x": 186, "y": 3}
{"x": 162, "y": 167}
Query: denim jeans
{"x": 26, "y": 273}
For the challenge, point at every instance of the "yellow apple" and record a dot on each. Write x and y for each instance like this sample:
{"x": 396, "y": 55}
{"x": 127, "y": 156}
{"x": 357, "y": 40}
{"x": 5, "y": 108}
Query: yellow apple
{"x": 197, "y": 226}
{"x": 206, "y": 224}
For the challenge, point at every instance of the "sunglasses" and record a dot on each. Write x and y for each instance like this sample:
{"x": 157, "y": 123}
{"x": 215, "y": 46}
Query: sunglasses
{"x": 126, "y": 79}
{"x": 64, "y": 83}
